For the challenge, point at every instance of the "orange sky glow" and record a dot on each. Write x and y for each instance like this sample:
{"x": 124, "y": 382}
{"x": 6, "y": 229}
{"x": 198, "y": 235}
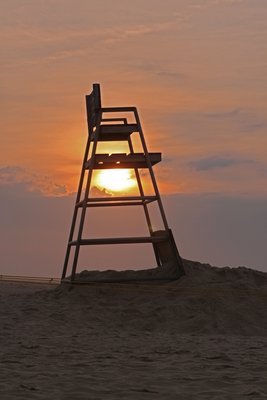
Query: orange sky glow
{"x": 195, "y": 70}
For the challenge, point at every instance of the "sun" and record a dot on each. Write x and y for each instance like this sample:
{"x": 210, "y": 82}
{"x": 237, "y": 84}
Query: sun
{"x": 115, "y": 180}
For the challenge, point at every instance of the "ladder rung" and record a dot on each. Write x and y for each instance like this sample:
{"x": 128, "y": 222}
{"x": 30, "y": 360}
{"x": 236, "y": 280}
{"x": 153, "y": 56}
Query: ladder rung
{"x": 118, "y": 203}
{"x": 120, "y": 240}
{"x": 146, "y": 199}
{"x": 122, "y": 198}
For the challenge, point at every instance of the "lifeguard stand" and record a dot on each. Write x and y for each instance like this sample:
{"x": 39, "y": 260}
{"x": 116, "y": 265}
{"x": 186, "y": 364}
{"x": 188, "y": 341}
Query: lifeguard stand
{"x": 118, "y": 127}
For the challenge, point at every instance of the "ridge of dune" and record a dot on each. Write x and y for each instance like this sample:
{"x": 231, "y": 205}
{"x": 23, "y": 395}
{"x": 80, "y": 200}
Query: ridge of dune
{"x": 206, "y": 300}
{"x": 196, "y": 274}
{"x": 237, "y": 277}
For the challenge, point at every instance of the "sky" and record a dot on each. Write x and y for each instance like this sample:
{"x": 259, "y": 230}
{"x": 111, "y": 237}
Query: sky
{"x": 196, "y": 70}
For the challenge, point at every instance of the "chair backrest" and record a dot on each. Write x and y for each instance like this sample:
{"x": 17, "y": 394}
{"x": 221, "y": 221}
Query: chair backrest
{"x": 93, "y": 105}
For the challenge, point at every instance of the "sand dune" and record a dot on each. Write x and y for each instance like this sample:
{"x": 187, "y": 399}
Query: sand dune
{"x": 201, "y": 337}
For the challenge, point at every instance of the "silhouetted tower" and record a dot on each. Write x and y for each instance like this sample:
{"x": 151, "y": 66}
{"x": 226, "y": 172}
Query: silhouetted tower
{"x": 118, "y": 127}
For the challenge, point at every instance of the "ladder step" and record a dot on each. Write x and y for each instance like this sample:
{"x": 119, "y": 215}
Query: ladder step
{"x": 128, "y": 200}
{"x": 120, "y": 240}
{"x": 120, "y": 160}
{"x": 122, "y": 198}
{"x": 117, "y": 204}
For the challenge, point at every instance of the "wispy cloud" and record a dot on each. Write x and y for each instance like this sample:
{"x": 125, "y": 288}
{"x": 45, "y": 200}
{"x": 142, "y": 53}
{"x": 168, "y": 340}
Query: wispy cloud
{"x": 209, "y": 163}
{"x": 208, "y": 3}
{"x": 124, "y": 33}
{"x": 159, "y": 71}
{"x": 164, "y": 73}
{"x": 232, "y": 113}
{"x": 254, "y": 126}
{"x": 248, "y": 120}
{"x": 96, "y": 192}
{"x": 35, "y": 45}
{"x": 225, "y": 1}
{"x": 31, "y": 181}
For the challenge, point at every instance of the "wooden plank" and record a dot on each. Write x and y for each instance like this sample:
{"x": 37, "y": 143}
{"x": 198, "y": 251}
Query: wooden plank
{"x": 121, "y": 160}
{"x": 118, "y": 109}
{"x": 162, "y": 212}
{"x": 168, "y": 252}
{"x": 129, "y": 199}
{"x": 111, "y": 137}
{"x": 120, "y": 240}
{"x": 122, "y": 198}
{"x": 93, "y": 105}
{"x": 119, "y": 204}
{"x": 124, "y": 120}
{"x": 115, "y": 132}
{"x": 118, "y": 128}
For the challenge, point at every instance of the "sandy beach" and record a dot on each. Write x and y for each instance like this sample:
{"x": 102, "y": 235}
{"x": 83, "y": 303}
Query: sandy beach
{"x": 201, "y": 337}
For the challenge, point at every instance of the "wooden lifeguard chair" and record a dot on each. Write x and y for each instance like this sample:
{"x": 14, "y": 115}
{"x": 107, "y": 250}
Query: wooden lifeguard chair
{"x": 118, "y": 127}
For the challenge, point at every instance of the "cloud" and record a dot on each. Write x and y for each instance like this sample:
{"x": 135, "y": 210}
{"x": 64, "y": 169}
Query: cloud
{"x": 124, "y": 33}
{"x": 235, "y": 112}
{"x": 210, "y": 125}
{"x": 156, "y": 71}
{"x": 219, "y": 2}
{"x": 96, "y": 192}
{"x": 249, "y": 122}
{"x": 254, "y": 126}
{"x": 33, "y": 182}
{"x": 34, "y": 45}
{"x": 209, "y": 3}
{"x": 171, "y": 74}
{"x": 209, "y": 163}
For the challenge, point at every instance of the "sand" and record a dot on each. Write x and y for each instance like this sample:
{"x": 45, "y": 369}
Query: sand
{"x": 201, "y": 337}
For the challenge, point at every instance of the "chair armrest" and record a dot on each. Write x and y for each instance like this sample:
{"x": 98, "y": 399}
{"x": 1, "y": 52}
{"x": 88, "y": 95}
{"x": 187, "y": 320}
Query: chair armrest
{"x": 115, "y": 119}
{"x": 118, "y": 109}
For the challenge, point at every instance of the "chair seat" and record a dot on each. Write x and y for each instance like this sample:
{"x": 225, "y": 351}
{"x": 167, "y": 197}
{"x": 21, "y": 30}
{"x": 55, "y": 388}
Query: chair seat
{"x": 115, "y": 132}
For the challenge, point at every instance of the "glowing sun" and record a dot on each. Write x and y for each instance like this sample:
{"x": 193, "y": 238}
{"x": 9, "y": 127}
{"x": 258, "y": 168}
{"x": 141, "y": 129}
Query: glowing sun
{"x": 115, "y": 180}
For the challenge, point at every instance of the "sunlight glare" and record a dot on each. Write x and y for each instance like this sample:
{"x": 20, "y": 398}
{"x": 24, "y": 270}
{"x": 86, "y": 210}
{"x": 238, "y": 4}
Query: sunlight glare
{"x": 115, "y": 180}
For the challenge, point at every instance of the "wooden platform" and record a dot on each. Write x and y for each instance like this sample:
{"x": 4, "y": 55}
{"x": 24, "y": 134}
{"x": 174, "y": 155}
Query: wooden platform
{"x": 122, "y": 160}
{"x": 115, "y": 132}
